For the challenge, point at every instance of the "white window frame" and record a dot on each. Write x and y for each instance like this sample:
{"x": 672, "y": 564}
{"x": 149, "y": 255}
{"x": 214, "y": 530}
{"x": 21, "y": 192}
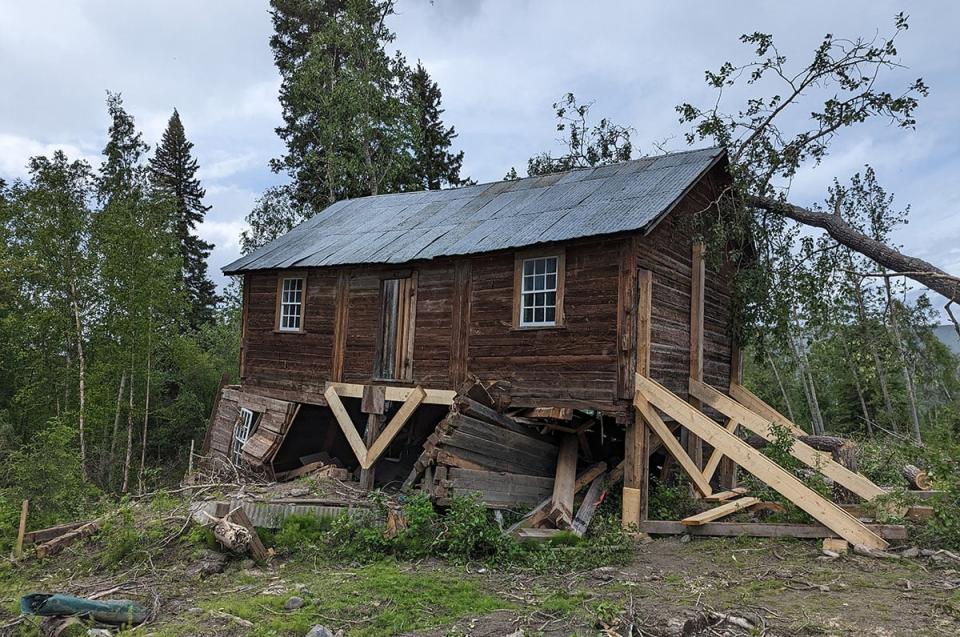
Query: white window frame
{"x": 290, "y": 304}
{"x": 534, "y": 278}
{"x": 246, "y": 424}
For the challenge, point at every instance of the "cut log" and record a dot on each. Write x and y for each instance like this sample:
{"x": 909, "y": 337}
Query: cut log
{"x": 728, "y": 508}
{"x": 59, "y": 543}
{"x": 561, "y": 504}
{"x": 917, "y": 477}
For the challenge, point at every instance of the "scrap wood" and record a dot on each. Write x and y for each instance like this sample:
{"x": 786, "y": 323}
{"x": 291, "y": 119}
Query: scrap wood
{"x": 42, "y": 535}
{"x": 535, "y": 535}
{"x": 591, "y": 502}
{"x": 57, "y": 544}
{"x": 538, "y": 514}
{"x": 323, "y": 469}
{"x": 560, "y": 511}
{"x": 834, "y": 546}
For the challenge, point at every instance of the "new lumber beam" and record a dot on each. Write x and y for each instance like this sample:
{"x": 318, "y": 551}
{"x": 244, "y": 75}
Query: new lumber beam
{"x": 722, "y": 496}
{"x": 822, "y": 510}
{"x": 711, "y": 467}
{"x": 346, "y": 424}
{"x": 801, "y": 451}
{"x": 398, "y": 394}
{"x": 672, "y": 444}
{"x": 725, "y": 509}
{"x": 396, "y": 423}
{"x": 752, "y": 402}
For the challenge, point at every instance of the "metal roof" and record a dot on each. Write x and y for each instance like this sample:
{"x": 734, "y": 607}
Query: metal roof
{"x": 410, "y": 226}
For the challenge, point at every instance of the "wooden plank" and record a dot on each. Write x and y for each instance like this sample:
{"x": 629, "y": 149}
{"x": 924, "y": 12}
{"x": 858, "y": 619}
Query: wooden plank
{"x": 373, "y": 399}
{"x": 822, "y": 510}
{"x": 564, "y": 489}
{"x": 556, "y": 413}
{"x": 801, "y": 451}
{"x": 370, "y": 435}
{"x": 591, "y": 501}
{"x": 714, "y": 461}
{"x": 57, "y": 544}
{"x": 753, "y": 529}
{"x": 43, "y": 535}
{"x": 535, "y": 535}
{"x": 396, "y": 423}
{"x": 725, "y": 509}
{"x": 21, "y": 530}
{"x": 673, "y": 445}
{"x": 539, "y": 513}
{"x": 346, "y": 425}
{"x": 750, "y": 400}
{"x": 393, "y": 393}
{"x": 637, "y": 442}
{"x": 722, "y": 496}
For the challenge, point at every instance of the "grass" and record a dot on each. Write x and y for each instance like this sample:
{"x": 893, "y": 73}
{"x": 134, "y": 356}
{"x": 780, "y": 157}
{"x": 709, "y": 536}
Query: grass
{"x": 373, "y": 600}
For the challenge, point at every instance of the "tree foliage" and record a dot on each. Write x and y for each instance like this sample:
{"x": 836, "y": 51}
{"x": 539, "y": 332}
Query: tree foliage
{"x": 173, "y": 173}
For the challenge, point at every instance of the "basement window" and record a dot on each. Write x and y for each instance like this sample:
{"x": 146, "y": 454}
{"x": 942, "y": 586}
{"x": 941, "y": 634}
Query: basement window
{"x": 290, "y": 318}
{"x": 246, "y": 425}
{"x": 539, "y": 295}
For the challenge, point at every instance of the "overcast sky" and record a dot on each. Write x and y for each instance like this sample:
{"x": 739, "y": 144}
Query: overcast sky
{"x": 500, "y": 65}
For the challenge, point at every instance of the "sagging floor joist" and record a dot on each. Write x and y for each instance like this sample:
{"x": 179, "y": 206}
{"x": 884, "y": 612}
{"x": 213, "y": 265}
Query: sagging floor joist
{"x": 650, "y": 394}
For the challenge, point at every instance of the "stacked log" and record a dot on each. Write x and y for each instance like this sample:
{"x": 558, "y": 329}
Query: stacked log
{"x": 477, "y": 449}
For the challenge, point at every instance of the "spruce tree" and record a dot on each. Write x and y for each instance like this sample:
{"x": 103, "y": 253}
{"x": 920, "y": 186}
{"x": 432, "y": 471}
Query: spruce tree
{"x": 173, "y": 175}
{"x": 434, "y": 164}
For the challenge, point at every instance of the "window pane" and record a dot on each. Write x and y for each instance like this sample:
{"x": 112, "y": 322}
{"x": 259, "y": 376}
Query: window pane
{"x": 538, "y": 315}
{"x": 538, "y": 299}
{"x": 538, "y": 283}
{"x": 550, "y": 314}
{"x": 551, "y": 298}
{"x": 527, "y": 300}
{"x": 527, "y": 315}
{"x": 528, "y": 267}
{"x": 528, "y": 283}
{"x": 551, "y": 264}
{"x": 541, "y": 265}
{"x": 551, "y": 283}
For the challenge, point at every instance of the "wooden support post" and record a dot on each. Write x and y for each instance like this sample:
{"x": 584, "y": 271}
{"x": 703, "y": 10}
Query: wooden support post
{"x": 341, "y": 305}
{"x": 651, "y": 394}
{"x": 21, "y": 530}
{"x": 564, "y": 490}
{"x": 375, "y": 449}
{"x": 346, "y": 425}
{"x": 370, "y": 437}
{"x": 636, "y": 464}
{"x": 727, "y": 475}
{"x": 806, "y": 454}
{"x": 692, "y": 443}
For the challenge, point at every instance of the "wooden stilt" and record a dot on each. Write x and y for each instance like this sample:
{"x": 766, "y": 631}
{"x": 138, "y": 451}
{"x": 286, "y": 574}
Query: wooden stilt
{"x": 636, "y": 464}
{"x": 22, "y": 529}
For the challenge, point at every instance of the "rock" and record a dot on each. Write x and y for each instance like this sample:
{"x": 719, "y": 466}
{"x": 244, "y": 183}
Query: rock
{"x": 911, "y": 552}
{"x": 298, "y": 492}
{"x": 684, "y": 539}
{"x": 247, "y": 564}
{"x": 319, "y": 631}
{"x": 208, "y": 563}
{"x": 293, "y": 603}
{"x": 98, "y": 632}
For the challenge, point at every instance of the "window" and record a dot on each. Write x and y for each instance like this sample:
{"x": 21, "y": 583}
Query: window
{"x": 244, "y": 428}
{"x": 540, "y": 285}
{"x": 291, "y": 305}
{"x": 398, "y": 314}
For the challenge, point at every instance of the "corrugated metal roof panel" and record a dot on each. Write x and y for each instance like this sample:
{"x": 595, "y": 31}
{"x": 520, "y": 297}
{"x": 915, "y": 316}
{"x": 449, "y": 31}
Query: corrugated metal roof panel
{"x": 403, "y": 227}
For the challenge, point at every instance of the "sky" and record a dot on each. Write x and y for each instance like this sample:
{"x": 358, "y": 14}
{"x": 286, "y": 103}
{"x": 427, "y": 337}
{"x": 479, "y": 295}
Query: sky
{"x": 500, "y": 64}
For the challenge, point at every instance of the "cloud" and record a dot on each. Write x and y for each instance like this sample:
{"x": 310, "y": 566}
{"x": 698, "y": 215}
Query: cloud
{"x": 16, "y": 150}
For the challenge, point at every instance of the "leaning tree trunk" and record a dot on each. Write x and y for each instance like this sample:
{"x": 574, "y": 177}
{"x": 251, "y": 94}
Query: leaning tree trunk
{"x": 856, "y": 383}
{"x": 109, "y": 460}
{"x": 146, "y": 417}
{"x": 127, "y": 458}
{"x": 809, "y": 389}
{"x": 82, "y": 368}
{"x": 875, "y": 353}
{"x": 783, "y": 390}
{"x": 907, "y": 377}
{"x": 843, "y": 233}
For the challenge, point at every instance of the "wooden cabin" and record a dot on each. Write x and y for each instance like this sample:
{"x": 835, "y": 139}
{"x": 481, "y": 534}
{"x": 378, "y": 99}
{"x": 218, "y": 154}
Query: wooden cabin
{"x": 519, "y": 339}
{"x": 537, "y": 288}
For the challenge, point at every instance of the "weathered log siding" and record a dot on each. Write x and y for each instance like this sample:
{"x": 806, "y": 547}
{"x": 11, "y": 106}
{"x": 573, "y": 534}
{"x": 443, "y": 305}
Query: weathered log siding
{"x": 464, "y": 323}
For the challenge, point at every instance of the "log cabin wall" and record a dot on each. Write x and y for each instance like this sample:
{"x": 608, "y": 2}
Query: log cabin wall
{"x": 464, "y": 323}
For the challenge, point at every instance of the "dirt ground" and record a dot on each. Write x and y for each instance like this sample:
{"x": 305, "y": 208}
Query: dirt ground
{"x": 672, "y": 587}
